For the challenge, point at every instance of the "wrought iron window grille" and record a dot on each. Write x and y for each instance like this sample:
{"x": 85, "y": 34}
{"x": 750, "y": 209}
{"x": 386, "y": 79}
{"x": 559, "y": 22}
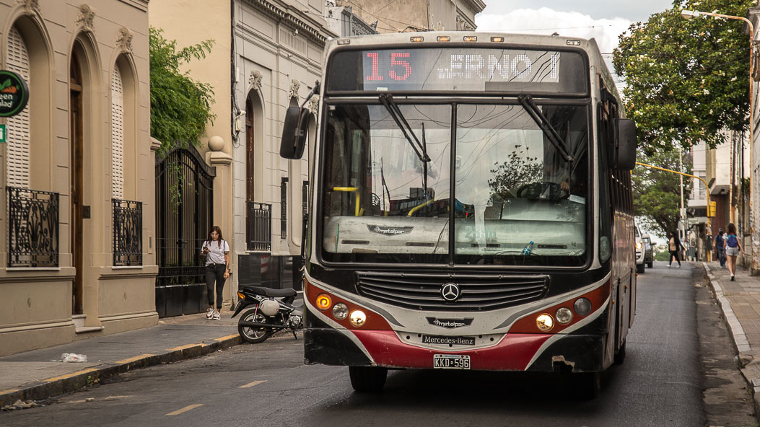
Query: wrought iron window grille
{"x": 127, "y": 232}
{"x": 33, "y": 228}
{"x": 259, "y": 226}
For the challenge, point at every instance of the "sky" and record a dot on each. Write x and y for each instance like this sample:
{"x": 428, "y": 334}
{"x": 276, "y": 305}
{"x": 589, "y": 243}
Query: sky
{"x": 603, "y": 20}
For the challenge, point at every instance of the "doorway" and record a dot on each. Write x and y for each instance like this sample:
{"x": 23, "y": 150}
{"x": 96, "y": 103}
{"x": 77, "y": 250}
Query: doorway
{"x": 76, "y": 129}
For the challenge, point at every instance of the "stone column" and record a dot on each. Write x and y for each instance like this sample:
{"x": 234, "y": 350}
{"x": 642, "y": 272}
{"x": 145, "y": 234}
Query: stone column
{"x": 218, "y": 157}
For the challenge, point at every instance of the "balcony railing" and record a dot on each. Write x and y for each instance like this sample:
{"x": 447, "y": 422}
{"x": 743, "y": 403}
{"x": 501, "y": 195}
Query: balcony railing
{"x": 127, "y": 233}
{"x": 32, "y": 228}
{"x": 258, "y": 229}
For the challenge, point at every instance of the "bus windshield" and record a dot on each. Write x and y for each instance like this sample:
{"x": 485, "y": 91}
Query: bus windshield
{"x": 516, "y": 200}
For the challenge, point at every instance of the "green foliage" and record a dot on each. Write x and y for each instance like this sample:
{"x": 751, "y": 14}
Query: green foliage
{"x": 687, "y": 79}
{"x": 656, "y": 193}
{"x": 180, "y": 107}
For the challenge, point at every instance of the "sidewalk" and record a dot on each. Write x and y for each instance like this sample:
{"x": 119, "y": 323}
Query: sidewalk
{"x": 39, "y": 374}
{"x": 740, "y": 303}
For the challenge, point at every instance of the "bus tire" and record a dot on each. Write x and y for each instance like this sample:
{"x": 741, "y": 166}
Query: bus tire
{"x": 367, "y": 379}
{"x": 620, "y": 355}
{"x": 588, "y": 384}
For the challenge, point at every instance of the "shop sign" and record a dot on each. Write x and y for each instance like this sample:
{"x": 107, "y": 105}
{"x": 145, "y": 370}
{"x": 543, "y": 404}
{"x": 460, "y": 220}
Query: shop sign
{"x": 14, "y": 93}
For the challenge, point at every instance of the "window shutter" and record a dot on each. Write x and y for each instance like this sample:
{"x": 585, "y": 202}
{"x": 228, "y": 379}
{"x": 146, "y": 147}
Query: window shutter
{"x": 18, "y": 126}
{"x": 117, "y": 135}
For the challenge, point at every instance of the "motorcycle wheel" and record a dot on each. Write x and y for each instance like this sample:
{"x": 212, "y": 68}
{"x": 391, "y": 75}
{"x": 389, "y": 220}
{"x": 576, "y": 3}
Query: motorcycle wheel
{"x": 253, "y": 335}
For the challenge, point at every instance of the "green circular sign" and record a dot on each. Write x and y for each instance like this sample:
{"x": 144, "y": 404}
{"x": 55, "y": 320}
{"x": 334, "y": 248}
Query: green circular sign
{"x": 14, "y": 93}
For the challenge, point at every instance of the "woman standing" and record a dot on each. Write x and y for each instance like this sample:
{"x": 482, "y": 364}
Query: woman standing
{"x": 217, "y": 253}
{"x": 733, "y": 247}
{"x": 675, "y": 247}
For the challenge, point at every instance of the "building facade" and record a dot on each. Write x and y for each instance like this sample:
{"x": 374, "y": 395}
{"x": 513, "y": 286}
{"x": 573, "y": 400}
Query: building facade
{"x": 267, "y": 56}
{"x": 417, "y": 15}
{"x": 77, "y": 246}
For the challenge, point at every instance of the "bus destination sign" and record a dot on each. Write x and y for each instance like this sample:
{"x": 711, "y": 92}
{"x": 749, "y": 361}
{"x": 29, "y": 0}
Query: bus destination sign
{"x": 454, "y": 69}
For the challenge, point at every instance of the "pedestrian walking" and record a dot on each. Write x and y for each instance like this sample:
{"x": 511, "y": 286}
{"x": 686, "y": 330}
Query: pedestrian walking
{"x": 217, "y": 253}
{"x": 720, "y": 251}
{"x": 733, "y": 247}
{"x": 675, "y": 247}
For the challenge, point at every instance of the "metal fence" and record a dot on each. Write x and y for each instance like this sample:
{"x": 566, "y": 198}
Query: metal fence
{"x": 32, "y": 228}
{"x": 127, "y": 232}
{"x": 259, "y": 226}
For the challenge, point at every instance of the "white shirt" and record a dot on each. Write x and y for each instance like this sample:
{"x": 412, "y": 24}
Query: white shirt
{"x": 216, "y": 251}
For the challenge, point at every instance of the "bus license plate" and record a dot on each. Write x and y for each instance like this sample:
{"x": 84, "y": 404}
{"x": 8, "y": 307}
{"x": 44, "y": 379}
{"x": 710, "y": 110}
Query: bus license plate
{"x": 451, "y": 361}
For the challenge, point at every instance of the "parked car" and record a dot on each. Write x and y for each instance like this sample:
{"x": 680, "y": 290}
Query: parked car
{"x": 639, "y": 250}
{"x": 648, "y": 250}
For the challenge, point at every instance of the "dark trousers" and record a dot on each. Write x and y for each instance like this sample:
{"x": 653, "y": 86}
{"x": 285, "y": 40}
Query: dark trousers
{"x": 215, "y": 273}
{"x": 721, "y": 256}
{"x": 675, "y": 254}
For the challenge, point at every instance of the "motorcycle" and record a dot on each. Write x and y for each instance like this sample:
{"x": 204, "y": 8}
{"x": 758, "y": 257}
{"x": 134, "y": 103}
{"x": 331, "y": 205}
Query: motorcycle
{"x": 271, "y": 311}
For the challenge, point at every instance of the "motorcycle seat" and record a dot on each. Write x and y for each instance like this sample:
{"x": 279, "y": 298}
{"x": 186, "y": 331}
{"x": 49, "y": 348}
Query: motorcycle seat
{"x": 271, "y": 292}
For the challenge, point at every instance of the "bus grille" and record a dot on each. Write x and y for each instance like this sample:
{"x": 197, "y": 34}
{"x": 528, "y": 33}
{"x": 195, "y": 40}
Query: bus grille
{"x": 477, "y": 292}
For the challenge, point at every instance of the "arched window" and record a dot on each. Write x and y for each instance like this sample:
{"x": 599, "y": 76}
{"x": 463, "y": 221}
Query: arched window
{"x": 19, "y": 133}
{"x": 117, "y": 134}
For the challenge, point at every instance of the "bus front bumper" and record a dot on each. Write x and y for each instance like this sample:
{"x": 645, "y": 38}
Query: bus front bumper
{"x": 575, "y": 352}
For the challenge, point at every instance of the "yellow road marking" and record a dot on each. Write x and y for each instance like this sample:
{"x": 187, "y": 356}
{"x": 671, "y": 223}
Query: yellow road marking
{"x": 252, "y": 384}
{"x": 13, "y": 390}
{"x": 226, "y": 338}
{"x": 185, "y": 409}
{"x": 134, "y": 359}
{"x": 183, "y": 347}
{"x": 63, "y": 377}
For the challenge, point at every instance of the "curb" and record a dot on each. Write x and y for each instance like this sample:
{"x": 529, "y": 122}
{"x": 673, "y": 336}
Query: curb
{"x": 52, "y": 387}
{"x": 750, "y": 371}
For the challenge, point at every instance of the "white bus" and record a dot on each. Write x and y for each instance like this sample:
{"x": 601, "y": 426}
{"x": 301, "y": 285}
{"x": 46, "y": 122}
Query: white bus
{"x": 470, "y": 209}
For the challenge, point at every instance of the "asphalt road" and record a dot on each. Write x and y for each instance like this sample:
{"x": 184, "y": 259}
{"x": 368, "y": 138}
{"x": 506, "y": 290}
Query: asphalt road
{"x": 267, "y": 384}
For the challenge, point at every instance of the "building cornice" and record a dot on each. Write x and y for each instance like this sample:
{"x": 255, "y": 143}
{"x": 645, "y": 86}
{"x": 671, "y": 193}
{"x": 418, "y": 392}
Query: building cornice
{"x": 294, "y": 17}
{"x": 476, "y": 5}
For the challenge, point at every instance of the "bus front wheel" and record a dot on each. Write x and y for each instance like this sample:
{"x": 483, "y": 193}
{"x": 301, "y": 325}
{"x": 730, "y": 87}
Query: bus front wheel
{"x": 367, "y": 379}
{"x": 589, "y": 384}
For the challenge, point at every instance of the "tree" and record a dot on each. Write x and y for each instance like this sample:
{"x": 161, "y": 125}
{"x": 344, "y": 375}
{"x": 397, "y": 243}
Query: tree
{"x": 180, "y": 107}
{"x": 656, "y": 193}
{"x": 686, "y": 79}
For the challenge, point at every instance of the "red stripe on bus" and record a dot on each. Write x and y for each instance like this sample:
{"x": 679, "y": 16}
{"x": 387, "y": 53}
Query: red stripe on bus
{"x": 513, "y": 353}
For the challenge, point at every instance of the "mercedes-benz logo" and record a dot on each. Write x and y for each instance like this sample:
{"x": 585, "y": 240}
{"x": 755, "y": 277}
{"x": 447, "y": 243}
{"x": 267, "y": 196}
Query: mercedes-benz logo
{"x": 450, "y": 291}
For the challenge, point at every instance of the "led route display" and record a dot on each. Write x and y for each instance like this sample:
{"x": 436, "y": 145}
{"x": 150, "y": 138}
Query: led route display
{"x": 457, "y": 69}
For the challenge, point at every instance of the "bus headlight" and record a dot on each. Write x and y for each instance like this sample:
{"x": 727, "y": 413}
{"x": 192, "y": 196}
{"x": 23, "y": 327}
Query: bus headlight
{"x": 564, "y": 315}
{"x": 544, "y": 322}
{"x": 582, "y": 306}
{"x": 340, "y": 311}
{"x": 324, "y": 302}
{"x": 358, "y": 318}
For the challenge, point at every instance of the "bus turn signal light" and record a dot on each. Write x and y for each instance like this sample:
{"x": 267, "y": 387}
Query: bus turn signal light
{"x": 324, "y": 302}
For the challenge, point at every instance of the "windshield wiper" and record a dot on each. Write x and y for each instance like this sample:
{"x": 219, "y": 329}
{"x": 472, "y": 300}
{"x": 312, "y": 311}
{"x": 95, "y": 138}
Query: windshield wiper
{"x": 387, "y": 100}
{"x": 543, "y": 122}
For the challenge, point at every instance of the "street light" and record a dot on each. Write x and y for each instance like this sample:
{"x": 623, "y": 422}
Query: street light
{"x": 688, "y": 14}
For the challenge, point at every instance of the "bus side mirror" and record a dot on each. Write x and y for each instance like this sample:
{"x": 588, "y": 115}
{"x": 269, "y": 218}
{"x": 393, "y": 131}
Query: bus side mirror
{"x": 624, "y": 151}
{"x": 295, "y": 130}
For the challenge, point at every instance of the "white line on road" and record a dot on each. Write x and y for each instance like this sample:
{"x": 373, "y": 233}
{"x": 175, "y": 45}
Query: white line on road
{"x": 185, "y": 409}
{"x": 253, "y": 384}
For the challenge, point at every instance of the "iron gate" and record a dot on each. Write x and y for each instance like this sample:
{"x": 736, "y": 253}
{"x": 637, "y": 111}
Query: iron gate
{"x": 184, "y": 216}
